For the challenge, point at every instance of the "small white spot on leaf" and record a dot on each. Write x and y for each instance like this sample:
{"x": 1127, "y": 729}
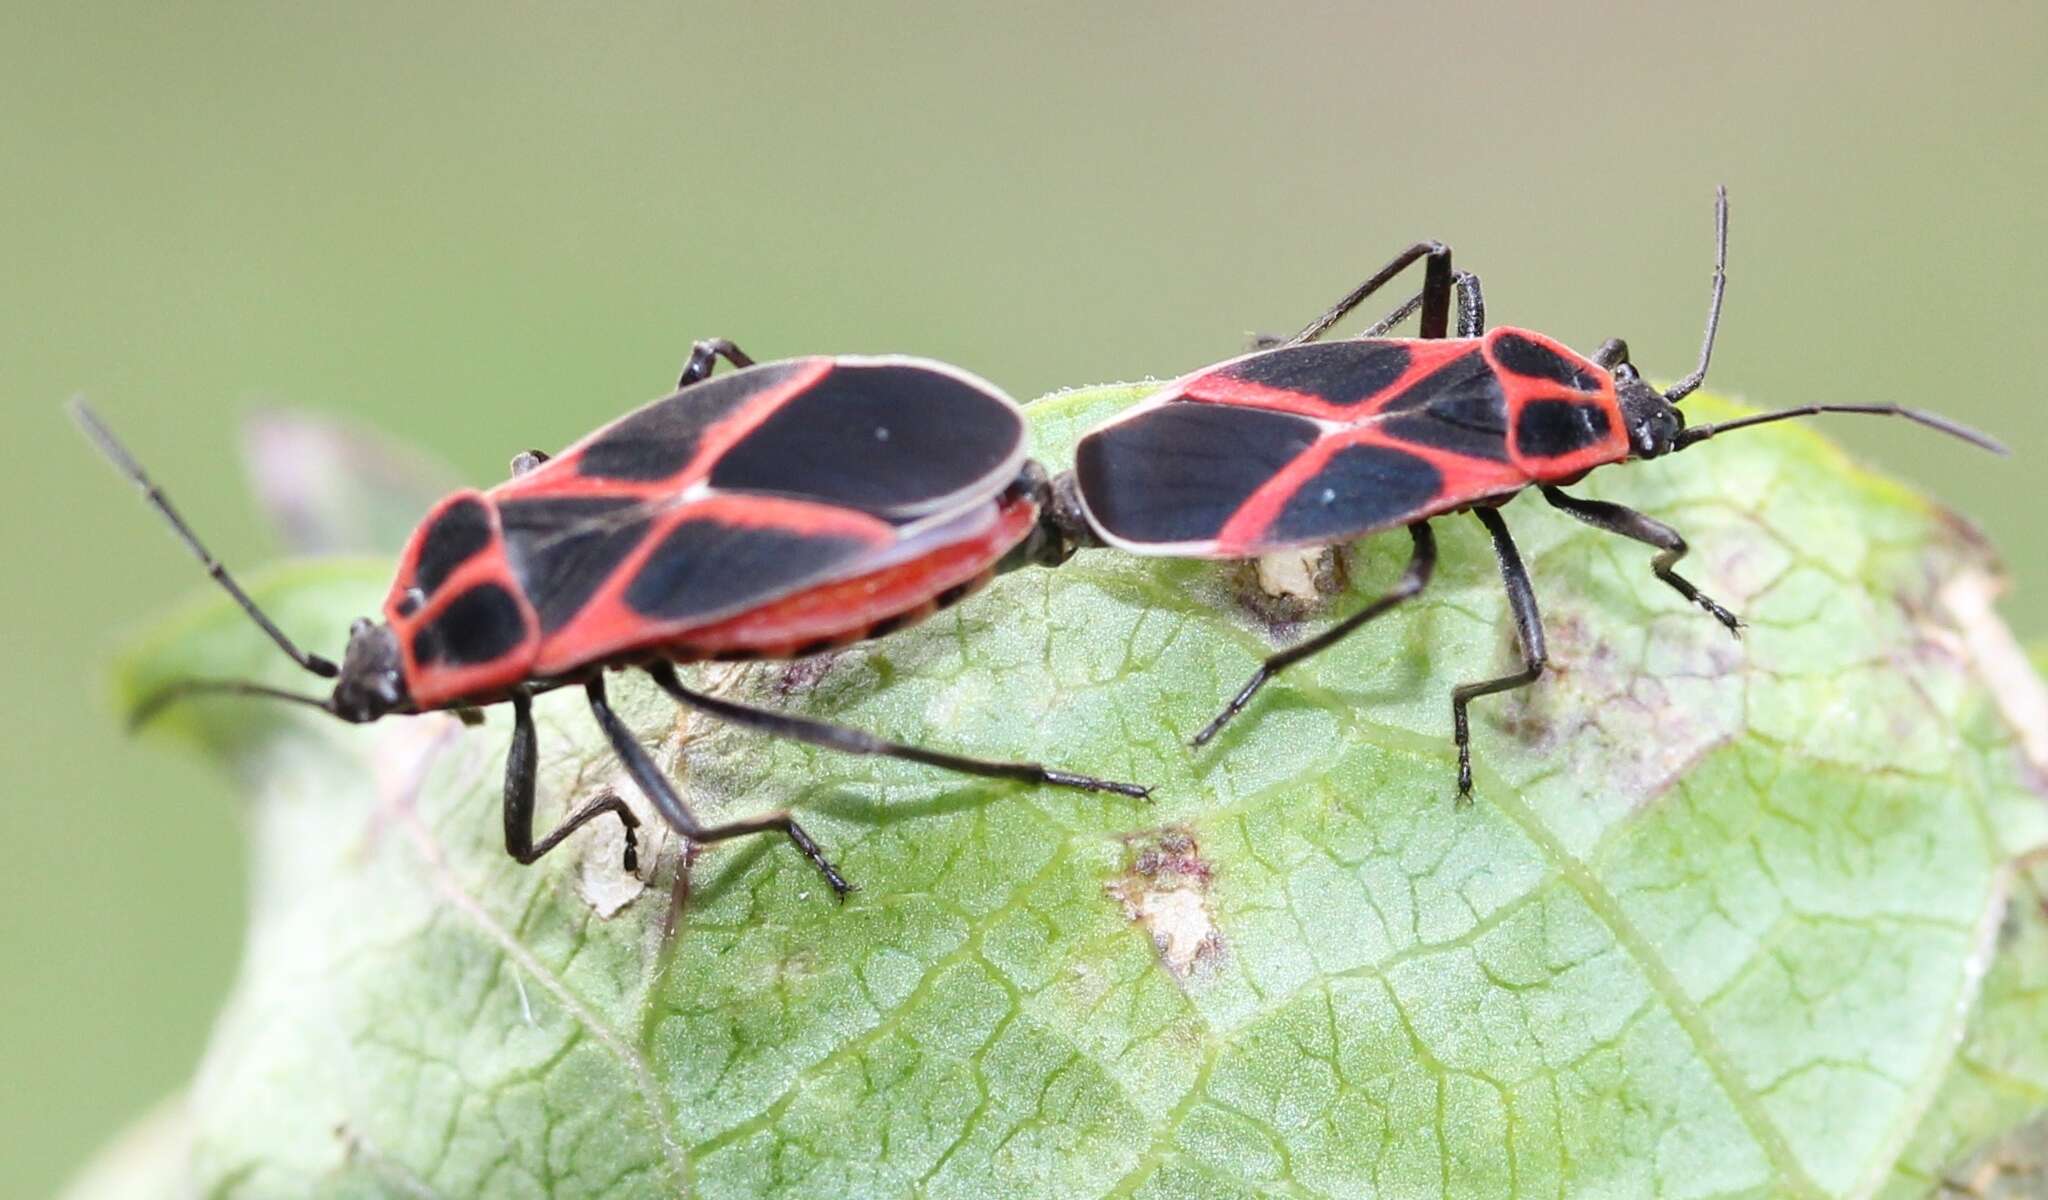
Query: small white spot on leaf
{"x": 1293, "y": 574}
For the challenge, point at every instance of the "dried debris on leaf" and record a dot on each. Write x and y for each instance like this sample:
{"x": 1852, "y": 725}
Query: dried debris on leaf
{"x": 1166, "y": 890}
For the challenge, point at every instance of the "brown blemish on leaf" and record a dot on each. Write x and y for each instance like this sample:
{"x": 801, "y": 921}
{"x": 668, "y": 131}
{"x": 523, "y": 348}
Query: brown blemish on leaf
{"x": 2014, "y": 1167}
{"x": 1602, "y": 715}
{"x": 1166, "y": 890}
{"x": 803, "y": 674}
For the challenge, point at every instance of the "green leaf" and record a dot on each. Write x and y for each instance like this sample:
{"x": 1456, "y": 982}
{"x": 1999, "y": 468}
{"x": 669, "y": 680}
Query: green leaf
{"x": 1727, "y": 918}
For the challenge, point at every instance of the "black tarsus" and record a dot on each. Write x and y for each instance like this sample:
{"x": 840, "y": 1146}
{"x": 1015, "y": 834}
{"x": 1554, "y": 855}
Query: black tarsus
{"x": 116, "y": 453}
{"x": 1670, "y": 544}
{"x": 1700, "y": 433}
{"x": 1528, "y": 629}
{"x": 1612, "y": 353}
{"x": 1420, "y": 564}
{"x": 702, "y": 356}
{"x": 521, "y": 763}
{"x": 854, "y": 741}
{"x": 645, "y": 772}
{"x": 1471, "y": 306}
{"x": 1471, "y": 311}
{"x": 1435, "y": 301}
{"x": 1690, "y": 384}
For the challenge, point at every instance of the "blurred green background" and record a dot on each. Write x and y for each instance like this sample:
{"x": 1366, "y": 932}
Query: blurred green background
{"x": 487, "y": 227}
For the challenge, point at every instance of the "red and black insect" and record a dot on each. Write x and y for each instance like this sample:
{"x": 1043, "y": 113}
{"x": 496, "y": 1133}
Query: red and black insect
{"x": 1313, "y": 443}
{"x": 775, "y": 511}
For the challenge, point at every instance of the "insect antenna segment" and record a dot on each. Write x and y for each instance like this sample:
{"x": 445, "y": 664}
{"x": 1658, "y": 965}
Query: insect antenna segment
{"x": 1691, "y": 383}
{"x": 124, "y": 462}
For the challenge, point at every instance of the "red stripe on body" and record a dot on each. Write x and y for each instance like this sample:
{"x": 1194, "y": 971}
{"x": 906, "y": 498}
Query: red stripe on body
{"x": 1518, "y": 390}
{"x": 440, "y": 684}
{"x": 1466, "y": 480}
{"x": 558, "y": 477}
{"x": 1214, "y": 385}
{"x": 850, "y": 607}
{"x": 607, "y": 626}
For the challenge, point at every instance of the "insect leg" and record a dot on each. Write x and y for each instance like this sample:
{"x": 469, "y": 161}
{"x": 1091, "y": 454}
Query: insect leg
{"x": 1471, "y": 306}
{"x": 1528, "y": 630}
{"x": 1651, "y": 532}
{"x": 521, "y": 761}
{"x": 1436, "y": 293}
{"x": 703, "y": 356}
{"x": 645, "y": 772}
{"x": 1379, "y": 328}
{"x": 1471, "y": 314}
{"x": 854, "y": 741}
{"x": 1420, "y": 563}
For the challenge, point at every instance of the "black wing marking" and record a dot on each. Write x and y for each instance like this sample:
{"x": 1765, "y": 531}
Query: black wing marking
{"x": 1555, "y": 427}
{"x": 657, "y": 441}
{"x": 459, "y": 533}
{"x": 896, "y": 440}
{"x": 1361, "y": 489}
{"x": 704, "y": 568}
{"x": 481, "y": 624}
{"x": 1458, "y": 407}
{"x": 1537, "y": 361}
{"x": 1179, "y": 472}
{"x": 562, "y": 550}
{"x": 1343, "y": 374}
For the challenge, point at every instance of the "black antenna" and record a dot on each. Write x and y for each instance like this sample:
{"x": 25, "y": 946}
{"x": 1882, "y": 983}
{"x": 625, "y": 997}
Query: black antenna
{"x": 171, "y": 693}
{"x": 1690, "y": 384}
{"x": 125, "y": 463}
{"x": 1941, "y": 424}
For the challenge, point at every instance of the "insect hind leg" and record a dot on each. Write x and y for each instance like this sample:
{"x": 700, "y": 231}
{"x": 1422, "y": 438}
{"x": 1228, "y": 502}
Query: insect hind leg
{"x": 521, "y": 764}
{"x": 1421, "y": 563}
{"x": 649, "y": 775}
{"x": 1471, "y": 311}
{"x": 1435, "y": 303}
{"x": 854, "y": 741}
{"x": 1528, "y": 631}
